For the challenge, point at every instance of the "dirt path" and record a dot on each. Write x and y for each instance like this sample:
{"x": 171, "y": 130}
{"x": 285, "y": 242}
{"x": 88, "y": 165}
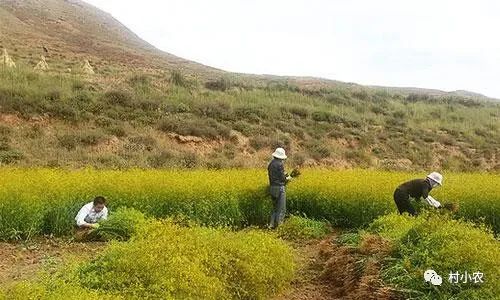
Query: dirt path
{"x": 308, "y": 284}
{"x": 332, "y": 271}
{"x": 20, "y": 261}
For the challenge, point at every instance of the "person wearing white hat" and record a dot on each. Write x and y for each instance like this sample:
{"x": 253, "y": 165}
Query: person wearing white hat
{"x": 417, "y": 189}
{"x": 277, "y": 181}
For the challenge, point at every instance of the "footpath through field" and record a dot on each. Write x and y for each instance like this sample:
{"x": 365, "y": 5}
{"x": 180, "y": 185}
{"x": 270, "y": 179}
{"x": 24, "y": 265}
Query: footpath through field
{"x": 330, "y": 271}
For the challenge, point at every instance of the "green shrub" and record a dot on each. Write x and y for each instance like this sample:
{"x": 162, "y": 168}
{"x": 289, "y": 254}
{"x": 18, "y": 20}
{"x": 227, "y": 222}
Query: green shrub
{"x": 118, "y": 98}
{"x": 5, "y": 131}
{"x": 178, "y": 79}
{"x": 182, "y": 108}
{"x": 260, "y": 142}
{"x": 139, "y": 80}
{"x": 167, "y": 261}
{"x": 218, "y": 110}
{"x": 205, "y": 127}
{"x": 53, "y": 95}
{"x": 394, "y": 226}
{"x": 298, "y": 159}
{"x": 10, "y": 156}
{"x": 360, "y": 157}
{"x": 297, "y": 229}
{"x": 121, "y": 224}
{"x": 35, "y": 131}
{"x": 299, "y": 111}
{"x": 117, "y": 130}
{"x": 142, "y": 142}
{"x": 4, "y": 143}
{"x": 318, "y": 150}
{"x": 104, "y": 121}
{"x": 161, "y": 160}
{"x": 351, "y": 239}
{"x": 253, "y": 114}
{"x": 64, "y": 111}
{"x": 189, "y": 160}
{"x": 322, "y": 116}
{"x": 78, "y": 85}
{"x": 89, "y": 138}
{"x": 163, "y": 260}
{"x": 244, "y": 127}
{"x": 68, "y": 141}
{"x": 221, "y": 84}
{"x": 437, "y": 242}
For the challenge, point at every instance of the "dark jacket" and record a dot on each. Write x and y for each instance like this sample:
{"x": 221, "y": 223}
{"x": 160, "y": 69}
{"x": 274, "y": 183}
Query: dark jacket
{"x": 276, "y": 173}
{"x": 417, "y": 188}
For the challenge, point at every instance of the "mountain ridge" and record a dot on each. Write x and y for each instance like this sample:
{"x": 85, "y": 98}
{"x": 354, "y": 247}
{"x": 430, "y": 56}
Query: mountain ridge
{"x": 74, "y": 30}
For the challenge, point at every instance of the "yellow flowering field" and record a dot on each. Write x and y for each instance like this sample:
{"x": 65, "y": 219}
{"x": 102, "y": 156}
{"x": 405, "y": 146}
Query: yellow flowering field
{"x": 45, "y": 201}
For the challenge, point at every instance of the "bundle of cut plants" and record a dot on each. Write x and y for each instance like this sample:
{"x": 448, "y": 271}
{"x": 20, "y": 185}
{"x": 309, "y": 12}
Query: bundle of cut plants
{"x": 120, "y": 226}
{"x": 295, "y": 173}
{"x": 451, "y": 206}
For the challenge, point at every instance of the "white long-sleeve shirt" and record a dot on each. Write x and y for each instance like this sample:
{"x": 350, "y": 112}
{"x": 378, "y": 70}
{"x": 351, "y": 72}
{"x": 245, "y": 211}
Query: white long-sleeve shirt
{"x": 433, "y": 202}
{"x": 87, "y": 215}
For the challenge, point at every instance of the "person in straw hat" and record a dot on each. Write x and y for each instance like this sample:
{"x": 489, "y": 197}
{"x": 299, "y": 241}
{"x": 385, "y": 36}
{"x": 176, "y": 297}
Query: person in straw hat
{"x": 277, "y": 182}
{"x": 417, "y": 189}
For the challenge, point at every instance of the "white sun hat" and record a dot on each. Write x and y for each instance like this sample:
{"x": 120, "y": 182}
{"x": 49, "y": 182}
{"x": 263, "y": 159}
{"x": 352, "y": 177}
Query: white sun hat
{"x": 436, "y": 177}
{"x": 279, "y": 153}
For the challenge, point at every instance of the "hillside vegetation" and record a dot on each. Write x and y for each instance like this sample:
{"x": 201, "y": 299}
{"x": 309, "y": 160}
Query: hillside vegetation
{"x": 147, "y": 108}
{"x": 168, "y": 119}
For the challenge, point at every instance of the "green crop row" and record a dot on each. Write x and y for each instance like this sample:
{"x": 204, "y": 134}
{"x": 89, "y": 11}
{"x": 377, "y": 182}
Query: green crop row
{"x": 45, "y": 201}
{"x": 163, "y": 260}
{"x": 448, "y": 247}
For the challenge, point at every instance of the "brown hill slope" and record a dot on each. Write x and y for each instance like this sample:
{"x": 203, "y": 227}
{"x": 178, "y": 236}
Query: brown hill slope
{"x": 135, "y": 113}
{"x": 72, "y": 30}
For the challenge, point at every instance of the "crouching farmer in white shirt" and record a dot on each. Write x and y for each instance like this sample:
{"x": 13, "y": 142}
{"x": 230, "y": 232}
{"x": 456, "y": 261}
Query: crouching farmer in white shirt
{"x": 91, "y": 213}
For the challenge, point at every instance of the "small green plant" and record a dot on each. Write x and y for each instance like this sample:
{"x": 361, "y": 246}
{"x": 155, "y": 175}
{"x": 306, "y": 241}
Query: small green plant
{"x": 349, "y": 239}
{"x": 10, "y": 156}
{"x": 121, "y": 225}
{"x": 260, "y": 142}
{"x": 71, "y": 140}
{"x": 119, "y": 98}
{"x": 297, "y": 229}
{"x": 221, "y": 84}
{"x": 200, "y": 127}
{"x": 178, "y": 79}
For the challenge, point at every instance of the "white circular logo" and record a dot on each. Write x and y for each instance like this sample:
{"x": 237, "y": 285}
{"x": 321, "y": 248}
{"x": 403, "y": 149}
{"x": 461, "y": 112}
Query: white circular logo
{"x": 432, "y": 277}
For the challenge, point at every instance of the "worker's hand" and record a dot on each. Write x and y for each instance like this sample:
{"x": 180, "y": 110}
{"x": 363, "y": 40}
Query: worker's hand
{"x": 289, "y": 178}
